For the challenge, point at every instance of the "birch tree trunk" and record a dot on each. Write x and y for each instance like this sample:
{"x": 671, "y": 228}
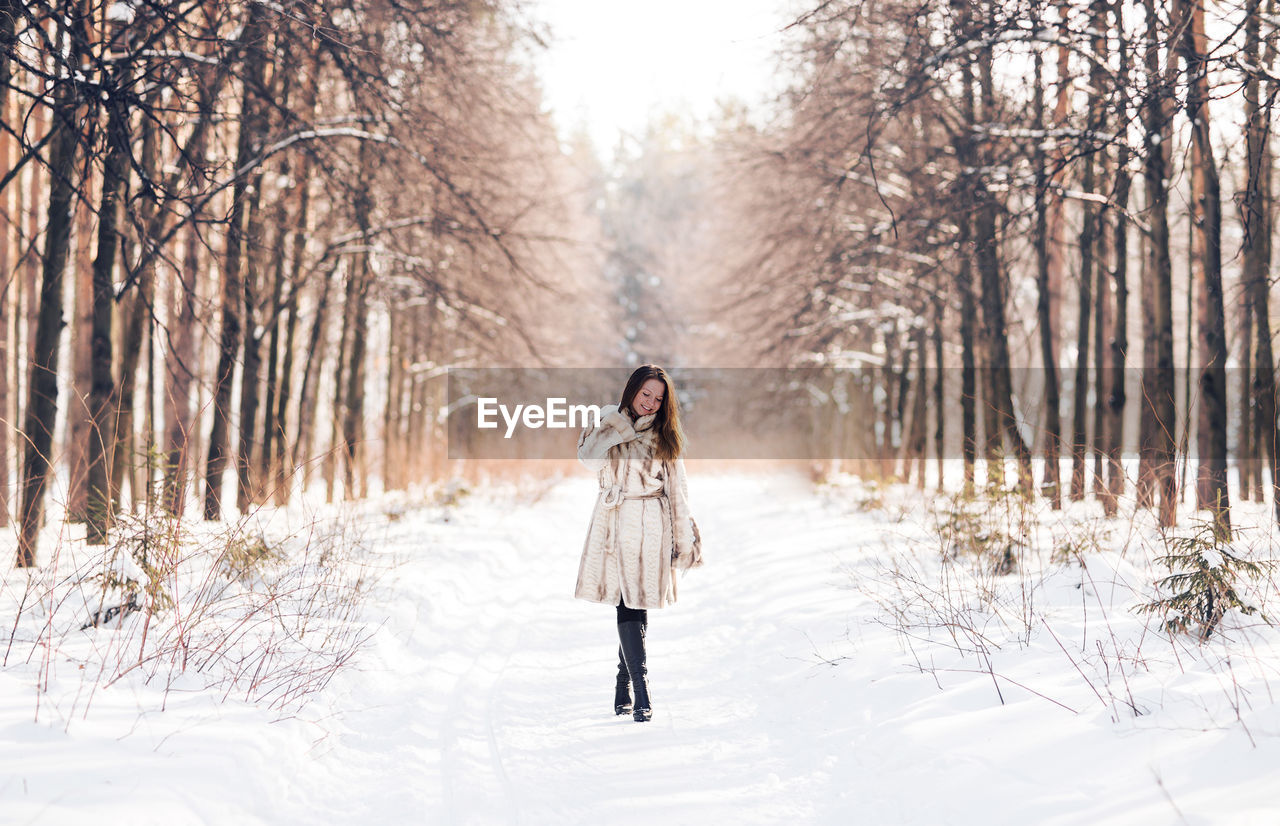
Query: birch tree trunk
{"x": 987, "y": 253}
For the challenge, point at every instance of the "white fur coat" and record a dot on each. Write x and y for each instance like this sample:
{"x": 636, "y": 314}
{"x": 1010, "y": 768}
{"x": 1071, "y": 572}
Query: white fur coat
{"x": 641, "y": 530}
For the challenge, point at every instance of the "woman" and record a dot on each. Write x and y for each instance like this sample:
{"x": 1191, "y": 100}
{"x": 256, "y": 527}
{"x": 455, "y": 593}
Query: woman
{"x": 641, "y": 530}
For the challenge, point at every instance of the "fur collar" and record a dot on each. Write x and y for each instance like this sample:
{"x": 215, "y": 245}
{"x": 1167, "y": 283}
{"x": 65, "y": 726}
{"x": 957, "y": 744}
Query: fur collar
{"x": 638, "y": 425}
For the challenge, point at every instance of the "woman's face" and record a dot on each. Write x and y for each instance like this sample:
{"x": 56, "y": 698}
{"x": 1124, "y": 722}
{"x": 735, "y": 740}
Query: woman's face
{"x": 648, "y": 398}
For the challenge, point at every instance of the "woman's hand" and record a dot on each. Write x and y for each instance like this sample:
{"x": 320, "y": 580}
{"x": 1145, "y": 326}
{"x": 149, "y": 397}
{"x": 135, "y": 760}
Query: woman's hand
{"x": 595, "y": 441}
{"x": 617, "y": 420}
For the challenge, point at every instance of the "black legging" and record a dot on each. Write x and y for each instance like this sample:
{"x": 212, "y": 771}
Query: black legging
{"x": 626, "y": 614}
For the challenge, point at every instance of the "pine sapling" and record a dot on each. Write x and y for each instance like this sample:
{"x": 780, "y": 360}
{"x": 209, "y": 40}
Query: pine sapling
{"x": 1203, "y": 582}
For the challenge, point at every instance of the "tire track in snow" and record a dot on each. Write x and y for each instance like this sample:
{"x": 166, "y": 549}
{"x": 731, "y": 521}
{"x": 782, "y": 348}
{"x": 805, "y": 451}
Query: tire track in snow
{"x": 469, "y": 784}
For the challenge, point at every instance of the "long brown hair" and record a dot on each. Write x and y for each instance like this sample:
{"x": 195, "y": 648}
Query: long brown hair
{"x": 671, "y": 441}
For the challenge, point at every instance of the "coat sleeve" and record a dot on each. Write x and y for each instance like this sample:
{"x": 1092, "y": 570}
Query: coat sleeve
{"x": 688, "y": 543}
{"x": 595, "y": 440}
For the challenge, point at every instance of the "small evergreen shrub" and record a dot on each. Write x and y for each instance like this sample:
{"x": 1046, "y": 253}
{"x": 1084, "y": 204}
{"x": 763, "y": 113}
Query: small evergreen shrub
{"x": 136, "y": 568}
{"x": 245, "y": 555}
{"x": 978, "y": 527}
{"x": 452, "y": 493}
{"x": 1203, "y": 583}
{"x": 1081, "y": 540}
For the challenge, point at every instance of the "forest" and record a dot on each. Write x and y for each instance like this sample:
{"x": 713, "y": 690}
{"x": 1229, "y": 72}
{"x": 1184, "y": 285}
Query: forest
{"x": 967, "y": 318}
{"x": 243, "y": 244}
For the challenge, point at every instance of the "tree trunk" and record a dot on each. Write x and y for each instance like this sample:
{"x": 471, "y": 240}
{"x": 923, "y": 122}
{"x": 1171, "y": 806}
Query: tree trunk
{"x": 251, "y": 369}
{"x": 102, "y": 391}
{"x": 38, "y": 188}
{"x": 6, "y": 283}
{"x": 275, "y": 310}
{"x": 939, "y": 397}
{"x": 302, "y": 450}
{"x": 1088, "y": 230}
{"x": 415, "y": 438}
{"x": 146, "y": 479}
{"x": 182, "y": 358}
{"x": 1256, "y": 217}
{"x": 1101, "y": 336}
{"x": 249, "y": 480}
{"x": 903, "y": 393}
{"x": 968, "y": 368}
{"x": 9, "y": 12}
{"x": 136, "y": 317}
{"x": 1051, "y": 484}
{"x": 232, "y": 277}
{"x": 354, "y": 484}
{"x": 1246, "y": 460}
{"x": 889, "y": 373}
{"x": 1211, "y": 430}
{"x": 180, "y": 369}
{"x": 339, "y": 390}
{"x": 964, "y": 242}
{"x": 1120, "y": 339}
{"x": 392, "y": 415}
{"x": 1144, "y": 485}
{"x": 1057, "y": 222}
{"x": 79, "y": 418}
{"x": 919, "y": 409}
{"x": 281, "y": 469}
{"x": 987, "y": 253}
{"x": 42, "y": 386}
{"x": 1157, "y": 375}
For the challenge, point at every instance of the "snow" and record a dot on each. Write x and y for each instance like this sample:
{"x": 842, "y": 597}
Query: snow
{"x": 1212, "y": 557}
{"x": 824, "y": 667}
{"x": 119, "y": 12}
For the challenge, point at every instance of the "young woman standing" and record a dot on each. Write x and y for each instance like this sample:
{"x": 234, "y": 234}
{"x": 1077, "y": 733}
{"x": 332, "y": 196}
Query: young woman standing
{"x": 641, "y": 530}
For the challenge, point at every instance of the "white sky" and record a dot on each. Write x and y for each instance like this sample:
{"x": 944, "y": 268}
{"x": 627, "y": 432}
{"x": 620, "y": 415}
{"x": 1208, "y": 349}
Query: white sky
{"x": 613, "y": 63}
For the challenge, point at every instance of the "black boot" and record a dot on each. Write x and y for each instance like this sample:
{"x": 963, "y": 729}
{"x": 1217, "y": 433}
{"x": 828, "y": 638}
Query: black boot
{"x": 632, "y": 636}
{"x": 622, "y": 692}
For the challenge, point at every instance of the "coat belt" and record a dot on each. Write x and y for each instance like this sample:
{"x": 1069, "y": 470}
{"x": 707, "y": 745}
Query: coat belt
{"x": 613, "y": 497}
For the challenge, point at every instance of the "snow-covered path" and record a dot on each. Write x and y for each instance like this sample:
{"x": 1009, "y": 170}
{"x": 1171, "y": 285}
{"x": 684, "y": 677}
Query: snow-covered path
{"x": 485, "y": 697}
{"x": 497, "y": 707}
